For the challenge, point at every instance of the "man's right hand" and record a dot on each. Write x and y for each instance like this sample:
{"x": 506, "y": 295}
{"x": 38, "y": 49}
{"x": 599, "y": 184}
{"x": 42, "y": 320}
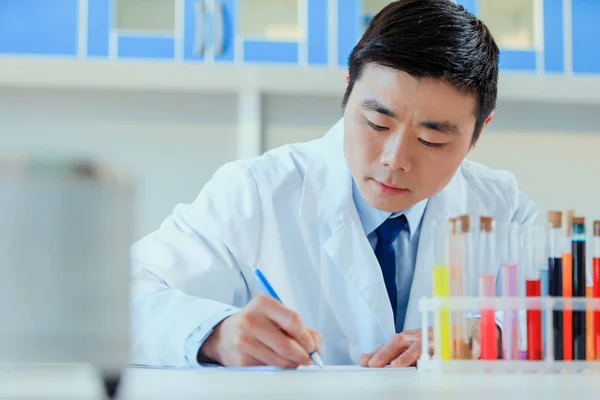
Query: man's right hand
{"x": 265, "y": 332}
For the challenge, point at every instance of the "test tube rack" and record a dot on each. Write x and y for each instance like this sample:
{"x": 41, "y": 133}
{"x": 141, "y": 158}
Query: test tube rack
{"x": 431, "y": 308}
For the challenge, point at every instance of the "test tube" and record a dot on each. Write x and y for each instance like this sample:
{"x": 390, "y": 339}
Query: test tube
{"x": 567, "y": 288}
{"x": 533, "y": 256}
{"x": 456, "y": 290}
{"x": 595, "y": 319}
{"x": 545, "y": 289}
{"x": 509, "y": 256}
{"x": 441, "y": 288}
{"x": 579, "y": 282}
{"x": 464, "y": 246}
{"x": 487, "y": 287}
{"x": 555, "y": 241}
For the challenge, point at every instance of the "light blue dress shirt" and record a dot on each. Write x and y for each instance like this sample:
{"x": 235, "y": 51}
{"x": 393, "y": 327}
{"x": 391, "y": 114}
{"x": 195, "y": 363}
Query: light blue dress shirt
{"x": 407, "y": 244}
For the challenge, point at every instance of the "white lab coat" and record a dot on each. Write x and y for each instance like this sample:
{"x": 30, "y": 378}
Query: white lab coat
{"x": 290, "y": 212}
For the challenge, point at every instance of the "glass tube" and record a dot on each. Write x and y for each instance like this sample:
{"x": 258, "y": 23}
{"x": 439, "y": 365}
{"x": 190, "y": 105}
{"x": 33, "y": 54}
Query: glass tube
{"x": 595, "y": 318}
{"x": 464, "y": 245}
{"x": 555, "y": 241}
{"x": 441, "y": 288}
{"x": 578, "y": 242}
{"x": 567, "y": 287}
{"x": 533, "y": 255}
{"x": 509, "y": 259}
{"x": 487, "y": 287}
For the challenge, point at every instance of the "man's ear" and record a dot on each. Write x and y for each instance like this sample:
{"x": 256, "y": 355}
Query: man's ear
{"x": 347, "y": 77}
{"x": 488, "y": 120}
{"x": 485, "y": 123}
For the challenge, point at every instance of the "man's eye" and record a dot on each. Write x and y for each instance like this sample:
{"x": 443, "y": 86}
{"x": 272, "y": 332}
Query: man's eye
{"x": 430, "y": 144}
{"x": 376, "y": 127}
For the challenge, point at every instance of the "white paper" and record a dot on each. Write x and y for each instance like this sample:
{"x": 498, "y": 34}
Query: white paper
{"x": 301, "y": 369}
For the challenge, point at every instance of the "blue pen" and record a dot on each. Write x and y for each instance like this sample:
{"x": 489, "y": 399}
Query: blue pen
{"x": 268, "y": 290}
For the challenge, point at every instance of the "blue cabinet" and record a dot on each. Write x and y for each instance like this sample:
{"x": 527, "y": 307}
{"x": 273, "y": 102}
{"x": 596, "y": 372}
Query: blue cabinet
{"x": 214, "y": 31}
{"x": 208, "y": 31}
{"x": 108, "y": 36}
{"x": 349, "y": 28}
{"x": 282, "y": 31}
{"x": 533, "y": 54}
{"x": 293, "y": 32}
{"x": 39, "y": 27}
{"x": 586, "y": 36}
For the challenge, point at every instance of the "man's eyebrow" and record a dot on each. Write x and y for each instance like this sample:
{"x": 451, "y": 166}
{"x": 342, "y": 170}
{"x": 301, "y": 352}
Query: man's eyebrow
{"x": 377, "y": 106}
{"x": 444, "y": 127}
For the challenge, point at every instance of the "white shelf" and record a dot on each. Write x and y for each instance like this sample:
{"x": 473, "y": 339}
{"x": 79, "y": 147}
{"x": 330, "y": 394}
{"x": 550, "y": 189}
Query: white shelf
{"x": 171, "y": 76}
{"x": 36, "y": 72}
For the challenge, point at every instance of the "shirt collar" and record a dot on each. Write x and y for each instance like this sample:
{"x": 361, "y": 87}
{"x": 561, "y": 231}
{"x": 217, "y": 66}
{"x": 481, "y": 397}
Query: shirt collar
{"x": 371, "y": 218}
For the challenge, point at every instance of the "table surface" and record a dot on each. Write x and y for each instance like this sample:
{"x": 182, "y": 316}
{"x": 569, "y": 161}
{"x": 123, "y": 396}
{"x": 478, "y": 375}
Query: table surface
{"x": 140, "y": 383}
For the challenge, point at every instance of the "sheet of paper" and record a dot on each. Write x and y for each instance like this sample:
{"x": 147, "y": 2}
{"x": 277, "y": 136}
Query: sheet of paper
{"x": 302, "y": 369}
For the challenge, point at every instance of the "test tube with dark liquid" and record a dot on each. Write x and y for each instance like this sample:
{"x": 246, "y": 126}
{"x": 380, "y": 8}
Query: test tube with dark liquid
{"x": 555, "y": 245}
{"x": 579, "y": 283}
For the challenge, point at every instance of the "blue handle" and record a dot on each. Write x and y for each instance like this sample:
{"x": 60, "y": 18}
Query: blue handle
{"x": 264, "y": 284}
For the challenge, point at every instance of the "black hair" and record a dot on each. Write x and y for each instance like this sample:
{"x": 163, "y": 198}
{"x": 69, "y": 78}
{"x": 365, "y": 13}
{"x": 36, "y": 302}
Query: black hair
{"x": 434, "y": 39}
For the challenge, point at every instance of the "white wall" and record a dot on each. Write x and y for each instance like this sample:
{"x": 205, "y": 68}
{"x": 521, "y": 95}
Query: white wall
{"x": 554, "y": 150}
{"x": 172, "y": 143}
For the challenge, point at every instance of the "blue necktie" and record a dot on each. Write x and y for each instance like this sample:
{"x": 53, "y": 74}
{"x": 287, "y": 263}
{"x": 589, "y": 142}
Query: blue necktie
{"x": 387, "y": 233}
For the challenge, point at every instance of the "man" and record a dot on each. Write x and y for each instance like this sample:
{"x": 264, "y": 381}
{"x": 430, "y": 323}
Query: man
{"x": 340, "y": 225}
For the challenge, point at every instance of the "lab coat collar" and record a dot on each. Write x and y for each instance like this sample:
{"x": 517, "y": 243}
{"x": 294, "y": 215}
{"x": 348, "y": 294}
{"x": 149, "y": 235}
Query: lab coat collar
{"x": 327, "y": 189}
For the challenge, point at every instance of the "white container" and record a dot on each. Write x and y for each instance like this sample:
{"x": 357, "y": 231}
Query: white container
{"x": 65, "y": 232}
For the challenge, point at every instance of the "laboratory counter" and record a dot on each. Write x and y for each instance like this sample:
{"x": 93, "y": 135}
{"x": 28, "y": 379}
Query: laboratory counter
{"x": 80, "y": 382}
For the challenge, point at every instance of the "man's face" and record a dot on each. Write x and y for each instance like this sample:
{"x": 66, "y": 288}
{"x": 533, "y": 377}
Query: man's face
{"x": 404, "y": 138}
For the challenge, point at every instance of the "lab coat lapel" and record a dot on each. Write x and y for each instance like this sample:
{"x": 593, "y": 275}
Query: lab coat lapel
{"x": 327, "y": 199}
{"x": 350, "y": 251}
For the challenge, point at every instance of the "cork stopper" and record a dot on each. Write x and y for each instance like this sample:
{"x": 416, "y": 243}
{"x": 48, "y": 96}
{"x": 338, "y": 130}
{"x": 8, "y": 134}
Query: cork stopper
{"x": 452, "y": 222}
{"x": 485, "y": 224}
{"x": 578, "y": 221}
{"x": 464, "y": 224}
{"x": 596, "y": 228}
{"x": 555, "y": 219}
{"x": 569, "y": 215}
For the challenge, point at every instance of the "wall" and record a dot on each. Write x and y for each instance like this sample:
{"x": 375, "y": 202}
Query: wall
{"x": 172, "y": 143}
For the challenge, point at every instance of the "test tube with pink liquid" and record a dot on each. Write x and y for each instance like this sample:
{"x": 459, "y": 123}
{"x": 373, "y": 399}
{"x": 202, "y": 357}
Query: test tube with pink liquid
{"x": 508, "y": 238}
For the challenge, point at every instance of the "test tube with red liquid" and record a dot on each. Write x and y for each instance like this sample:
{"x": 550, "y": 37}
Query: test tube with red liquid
{"x": 596, "y": 289}
{"x": 533, "y": 258}
{"x": 487, "y": 287}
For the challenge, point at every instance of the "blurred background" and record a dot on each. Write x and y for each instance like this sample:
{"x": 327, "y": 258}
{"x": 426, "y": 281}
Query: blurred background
{"x": 172, "y": 89}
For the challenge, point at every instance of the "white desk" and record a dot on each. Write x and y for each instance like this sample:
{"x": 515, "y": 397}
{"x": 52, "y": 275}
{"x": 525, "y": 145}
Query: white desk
{"x": 81, "y": 383}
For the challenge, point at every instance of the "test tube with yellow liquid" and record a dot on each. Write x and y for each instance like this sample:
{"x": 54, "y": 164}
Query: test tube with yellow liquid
{"x": 441, "y": 288}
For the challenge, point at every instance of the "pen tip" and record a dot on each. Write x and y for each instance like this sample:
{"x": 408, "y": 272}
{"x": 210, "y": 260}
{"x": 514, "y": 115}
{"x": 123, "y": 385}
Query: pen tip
{"x": 317, "y": 359}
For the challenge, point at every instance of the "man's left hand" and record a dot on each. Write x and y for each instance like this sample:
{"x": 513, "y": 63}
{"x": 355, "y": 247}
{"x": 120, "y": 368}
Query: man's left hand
{"x": 402, "y": 350}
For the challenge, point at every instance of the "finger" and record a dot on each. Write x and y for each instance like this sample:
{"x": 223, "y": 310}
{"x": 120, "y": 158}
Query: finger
{"x": 409, "y": 357}
{"x": 249, "y": 361}
{"x": 280, "y": 343}
{"x": 317, "y": 338}
{"x": 391, "y": 350}
{"x": 265, "y": 356}
{"x": 289, "y": 321}
{"x": 366, "y": 357}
